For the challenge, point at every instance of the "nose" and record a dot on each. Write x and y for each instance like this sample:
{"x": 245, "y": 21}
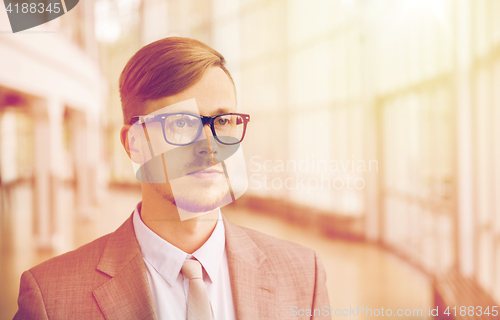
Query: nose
{"x": 207, "y": 146}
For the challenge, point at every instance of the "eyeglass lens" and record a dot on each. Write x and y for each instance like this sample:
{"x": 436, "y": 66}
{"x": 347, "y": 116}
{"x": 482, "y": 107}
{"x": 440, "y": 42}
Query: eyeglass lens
{"x": 184, "y": 128}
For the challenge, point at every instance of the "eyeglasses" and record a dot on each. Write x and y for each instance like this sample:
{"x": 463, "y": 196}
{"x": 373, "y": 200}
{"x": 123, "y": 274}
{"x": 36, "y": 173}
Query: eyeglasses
{"x": 181, "y": 129}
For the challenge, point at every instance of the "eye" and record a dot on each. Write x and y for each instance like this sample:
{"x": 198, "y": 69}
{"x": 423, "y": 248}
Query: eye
{"x": 222, "y": 121}
{"x": 180, "y": 123}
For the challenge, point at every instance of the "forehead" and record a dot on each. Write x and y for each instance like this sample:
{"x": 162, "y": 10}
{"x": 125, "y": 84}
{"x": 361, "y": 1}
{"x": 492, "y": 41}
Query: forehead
{"x": 213, "y": 93}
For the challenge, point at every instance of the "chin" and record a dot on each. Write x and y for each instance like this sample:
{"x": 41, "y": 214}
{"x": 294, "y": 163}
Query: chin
{"x": 196, "y": 198}
{"x": 200, "y": 200}
{"x": 195, "y": 207}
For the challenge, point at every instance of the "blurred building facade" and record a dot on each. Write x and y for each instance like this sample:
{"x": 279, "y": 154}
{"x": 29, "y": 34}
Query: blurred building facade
{"x": 52, "y": 107}
{"x": 381, "y": 115}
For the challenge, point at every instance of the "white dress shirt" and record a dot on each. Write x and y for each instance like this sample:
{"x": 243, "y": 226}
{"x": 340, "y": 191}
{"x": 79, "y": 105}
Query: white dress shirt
{"x": 169, "y": 287}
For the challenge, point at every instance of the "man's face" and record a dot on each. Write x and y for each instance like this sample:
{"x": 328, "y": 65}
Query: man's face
{"x": 193, "y": 183}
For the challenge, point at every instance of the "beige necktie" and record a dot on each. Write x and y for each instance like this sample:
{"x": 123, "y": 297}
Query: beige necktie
{"x": 199, "y": 307}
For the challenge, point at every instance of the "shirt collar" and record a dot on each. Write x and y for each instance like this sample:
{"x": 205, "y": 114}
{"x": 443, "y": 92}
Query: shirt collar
{"x": 167, "y": 259}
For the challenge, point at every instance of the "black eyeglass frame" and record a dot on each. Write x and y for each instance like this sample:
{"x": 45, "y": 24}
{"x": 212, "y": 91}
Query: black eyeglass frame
{"x": 204, "y": 120}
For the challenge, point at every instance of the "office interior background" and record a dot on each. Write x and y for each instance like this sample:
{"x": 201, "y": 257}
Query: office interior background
{"x": 374, "y": 136}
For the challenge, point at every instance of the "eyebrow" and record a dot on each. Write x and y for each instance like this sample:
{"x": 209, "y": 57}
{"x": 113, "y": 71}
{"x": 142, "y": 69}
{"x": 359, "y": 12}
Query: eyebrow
{"x": 224, "y": 110}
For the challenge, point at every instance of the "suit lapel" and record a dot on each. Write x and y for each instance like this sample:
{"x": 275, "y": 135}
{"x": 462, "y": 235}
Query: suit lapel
{"x": 253, "y": 288}
{"x": 126, "y": 295}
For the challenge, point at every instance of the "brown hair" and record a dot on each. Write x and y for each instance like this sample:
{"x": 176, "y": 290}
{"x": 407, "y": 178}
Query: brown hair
{"x": 164, "y": 68}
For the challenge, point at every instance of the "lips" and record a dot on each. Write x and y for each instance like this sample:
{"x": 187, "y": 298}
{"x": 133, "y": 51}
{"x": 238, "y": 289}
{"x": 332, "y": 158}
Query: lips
{"x": 206, "y": 174}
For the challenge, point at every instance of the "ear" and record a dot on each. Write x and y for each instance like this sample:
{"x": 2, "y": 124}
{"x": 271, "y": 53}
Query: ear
{"x": 131, "y": 144}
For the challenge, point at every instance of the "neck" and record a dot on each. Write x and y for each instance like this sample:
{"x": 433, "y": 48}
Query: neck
{"x": 163, "y": 218}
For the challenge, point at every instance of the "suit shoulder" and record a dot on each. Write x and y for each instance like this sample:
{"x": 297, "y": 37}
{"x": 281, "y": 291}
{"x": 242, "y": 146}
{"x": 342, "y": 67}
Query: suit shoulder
{"x": 86, "y": 256}
{"x": 278, "y": 247}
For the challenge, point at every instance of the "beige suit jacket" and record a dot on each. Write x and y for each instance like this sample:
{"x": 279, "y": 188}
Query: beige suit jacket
{"x": 106, "y": 279}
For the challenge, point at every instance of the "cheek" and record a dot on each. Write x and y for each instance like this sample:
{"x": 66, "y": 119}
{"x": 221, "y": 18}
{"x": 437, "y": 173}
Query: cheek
{"x": 179, "y": 157}
{"x": 177, "y": 160}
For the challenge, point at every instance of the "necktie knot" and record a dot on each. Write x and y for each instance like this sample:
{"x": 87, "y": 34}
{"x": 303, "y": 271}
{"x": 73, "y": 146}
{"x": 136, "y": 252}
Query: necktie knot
{"x": 192, "y": 269}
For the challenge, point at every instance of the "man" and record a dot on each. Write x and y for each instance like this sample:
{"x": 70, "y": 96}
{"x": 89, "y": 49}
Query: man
{"x": 176, "y": 257}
